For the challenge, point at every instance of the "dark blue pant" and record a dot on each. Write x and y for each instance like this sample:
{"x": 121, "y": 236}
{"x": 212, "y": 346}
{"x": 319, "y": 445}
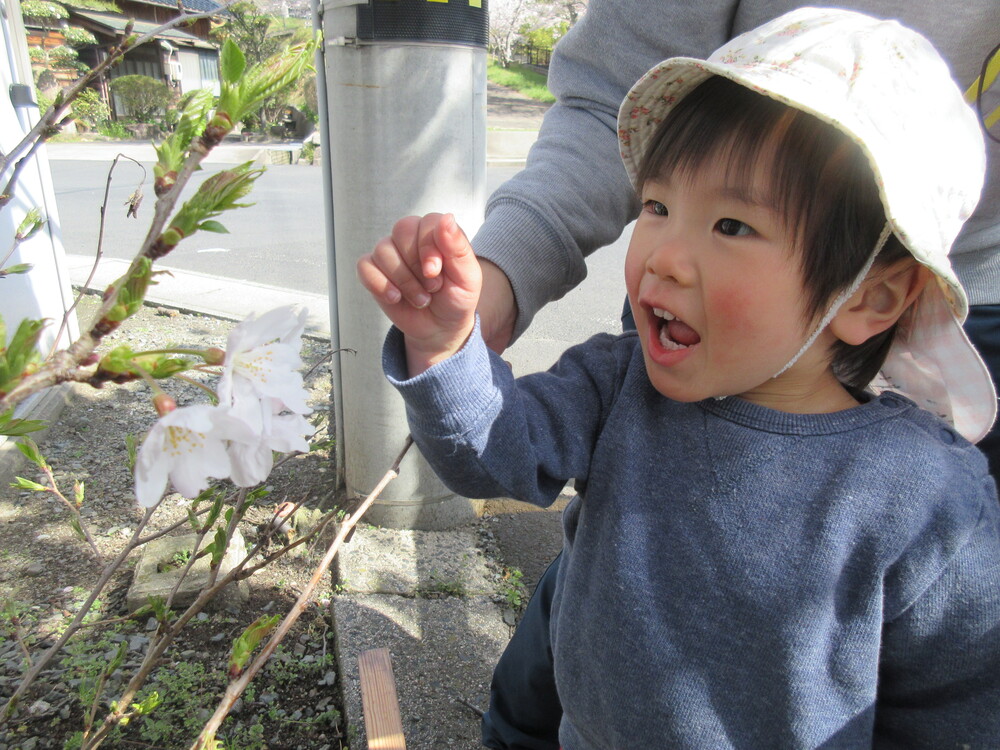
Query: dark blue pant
{"x": 524, "y": 710}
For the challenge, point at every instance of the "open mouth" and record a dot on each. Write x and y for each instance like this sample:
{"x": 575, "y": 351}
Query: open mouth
{"x": 674, "y": 333}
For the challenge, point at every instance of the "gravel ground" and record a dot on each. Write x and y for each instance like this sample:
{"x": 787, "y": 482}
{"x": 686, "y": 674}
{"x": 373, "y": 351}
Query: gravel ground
{"x": 46, "y": 572}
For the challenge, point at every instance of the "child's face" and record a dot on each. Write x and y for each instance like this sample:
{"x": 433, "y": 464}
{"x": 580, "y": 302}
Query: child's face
{"x": 715, "y": 284}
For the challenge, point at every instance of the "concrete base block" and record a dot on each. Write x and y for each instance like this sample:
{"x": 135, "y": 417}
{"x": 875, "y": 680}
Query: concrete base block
{"x": 158, "y": 571}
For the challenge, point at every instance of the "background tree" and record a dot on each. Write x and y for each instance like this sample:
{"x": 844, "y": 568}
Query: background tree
{"x": 514, "y": 22}
{"x": 141, "y": 96}
{"x": 250, "y": 29}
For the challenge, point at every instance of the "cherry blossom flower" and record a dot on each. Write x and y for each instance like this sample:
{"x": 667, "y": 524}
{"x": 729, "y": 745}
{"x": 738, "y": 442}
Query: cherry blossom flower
{"x": 186, "y": 446}
{"x": 258, "y": 428}
{"x": 263, "y": 353}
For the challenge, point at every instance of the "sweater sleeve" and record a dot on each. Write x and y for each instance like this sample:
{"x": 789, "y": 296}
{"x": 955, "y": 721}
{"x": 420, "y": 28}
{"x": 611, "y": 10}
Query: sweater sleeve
{"x": 487, "y": 435}
{"x": 574, "y": 196}
{"x": 939, "y": 683}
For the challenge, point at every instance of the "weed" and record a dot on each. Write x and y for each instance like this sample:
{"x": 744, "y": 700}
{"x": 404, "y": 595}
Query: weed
{"x": 512, "y": 588}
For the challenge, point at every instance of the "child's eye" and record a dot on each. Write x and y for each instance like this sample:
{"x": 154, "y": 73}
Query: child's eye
{"x": 654, "y": 207}
{"x": 734, "y": 228}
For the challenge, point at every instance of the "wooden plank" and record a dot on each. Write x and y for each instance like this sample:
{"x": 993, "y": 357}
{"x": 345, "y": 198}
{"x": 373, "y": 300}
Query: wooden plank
{"x": 379, "y": 702}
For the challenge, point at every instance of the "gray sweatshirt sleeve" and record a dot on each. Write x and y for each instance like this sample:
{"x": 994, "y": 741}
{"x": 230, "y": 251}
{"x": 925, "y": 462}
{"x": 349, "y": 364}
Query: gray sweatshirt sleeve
{"x": 573, "y": 196}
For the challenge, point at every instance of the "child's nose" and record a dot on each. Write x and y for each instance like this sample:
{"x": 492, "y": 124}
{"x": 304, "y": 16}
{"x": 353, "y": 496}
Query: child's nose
{"x": 671, "y": 260}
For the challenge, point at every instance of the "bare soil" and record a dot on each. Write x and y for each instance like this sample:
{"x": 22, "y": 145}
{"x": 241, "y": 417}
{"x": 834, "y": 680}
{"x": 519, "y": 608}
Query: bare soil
{"x": 46, "y": 571}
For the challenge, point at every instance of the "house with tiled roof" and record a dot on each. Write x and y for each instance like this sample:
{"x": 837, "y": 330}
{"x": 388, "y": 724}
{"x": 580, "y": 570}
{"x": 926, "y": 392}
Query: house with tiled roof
{"x": 66, "y": 36}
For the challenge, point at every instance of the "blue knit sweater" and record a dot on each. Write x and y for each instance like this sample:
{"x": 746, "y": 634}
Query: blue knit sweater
{"x": 734, "y": 576}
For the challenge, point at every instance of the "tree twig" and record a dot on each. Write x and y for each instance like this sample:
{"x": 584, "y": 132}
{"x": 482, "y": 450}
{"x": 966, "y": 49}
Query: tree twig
{"x": 237, "y": 686}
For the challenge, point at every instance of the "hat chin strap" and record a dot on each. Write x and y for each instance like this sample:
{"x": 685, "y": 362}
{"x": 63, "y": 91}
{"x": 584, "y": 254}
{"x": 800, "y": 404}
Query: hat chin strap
{"x": 840, "y": 299}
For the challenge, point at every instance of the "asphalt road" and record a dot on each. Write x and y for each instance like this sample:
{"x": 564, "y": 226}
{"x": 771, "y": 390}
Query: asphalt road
{"x": 279, "y": 241}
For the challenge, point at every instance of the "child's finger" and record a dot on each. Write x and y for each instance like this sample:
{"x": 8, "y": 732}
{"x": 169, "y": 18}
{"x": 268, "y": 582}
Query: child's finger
{"x": 407, "y": 235}
{"x": 375, "y": 281}
{"x": 455, "y": 249}
{"x": 390, "y": 260}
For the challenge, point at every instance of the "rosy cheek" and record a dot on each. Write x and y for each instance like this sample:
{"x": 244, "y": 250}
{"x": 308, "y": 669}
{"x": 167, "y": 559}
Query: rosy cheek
{"x": 730, "y": 306}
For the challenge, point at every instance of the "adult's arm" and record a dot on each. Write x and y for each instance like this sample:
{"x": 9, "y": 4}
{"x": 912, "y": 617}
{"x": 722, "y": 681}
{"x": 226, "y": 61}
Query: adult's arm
{"x": 573, "y": 196}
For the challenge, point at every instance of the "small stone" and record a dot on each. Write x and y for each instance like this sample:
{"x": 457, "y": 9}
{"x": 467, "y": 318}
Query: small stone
{"x": 330, "y": 678}
{"x": 33, "y": 570}
{"x": 217, "y": 637}
{"x": 152, "y": 623}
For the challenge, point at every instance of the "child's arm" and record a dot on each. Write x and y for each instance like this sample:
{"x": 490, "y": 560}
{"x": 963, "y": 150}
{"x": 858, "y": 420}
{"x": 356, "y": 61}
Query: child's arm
{"x": 427, "y": 281}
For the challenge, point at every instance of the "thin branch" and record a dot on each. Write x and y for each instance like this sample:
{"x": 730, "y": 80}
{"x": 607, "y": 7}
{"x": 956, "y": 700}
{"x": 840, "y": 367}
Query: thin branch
{"x": 100, "y": 247}
{"x": 237, "y": 686}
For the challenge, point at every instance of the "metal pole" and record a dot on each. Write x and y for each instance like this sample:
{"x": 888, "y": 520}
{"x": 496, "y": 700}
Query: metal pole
{"x": 336, "y": 378}
{"x": 406, "y": 106}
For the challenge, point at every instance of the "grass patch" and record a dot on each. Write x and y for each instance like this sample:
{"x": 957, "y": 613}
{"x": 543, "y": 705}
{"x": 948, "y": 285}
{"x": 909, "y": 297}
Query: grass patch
{"x": 521, "y": 79}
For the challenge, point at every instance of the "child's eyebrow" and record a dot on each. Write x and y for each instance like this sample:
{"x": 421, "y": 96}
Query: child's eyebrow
{"x": 753, "y": 198}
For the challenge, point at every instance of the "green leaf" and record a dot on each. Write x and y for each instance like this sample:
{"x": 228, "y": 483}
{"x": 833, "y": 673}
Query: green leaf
{"x": 148, "y": 705}
{"x": 117, "y": 659}
{"x": 20, "y": 357}
{"x": 232, "y": 62}
{"x": 133, "y": 291}
{"x": 218, "y": 547}
{"x": 26, "y": 484}
{"x": 213, "y": 226}
{"x": 32, "y": 222}
{"x": 243, "y": 647}
{"x": 159, "y": 606}
{"x": 78, "y": 493}
{"x": 74, "y": 523}
{"x": 15, "y": 269}
{"x": 29, "y": 448}
{"x": 12, "y": 427}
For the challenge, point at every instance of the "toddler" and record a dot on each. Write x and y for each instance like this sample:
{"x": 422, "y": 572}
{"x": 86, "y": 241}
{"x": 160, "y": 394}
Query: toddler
{"x": 782, "y": 535}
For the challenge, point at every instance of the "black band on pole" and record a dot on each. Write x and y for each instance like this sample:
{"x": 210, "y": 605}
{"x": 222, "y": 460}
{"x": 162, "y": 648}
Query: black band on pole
{"x": 457, "y": 21}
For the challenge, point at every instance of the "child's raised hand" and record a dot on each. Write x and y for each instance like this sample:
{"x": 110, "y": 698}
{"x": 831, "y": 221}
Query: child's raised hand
{"x": 427, "y": 281}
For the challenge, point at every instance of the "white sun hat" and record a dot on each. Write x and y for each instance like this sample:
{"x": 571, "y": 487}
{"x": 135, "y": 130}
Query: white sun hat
{"x": 888, "y": 89}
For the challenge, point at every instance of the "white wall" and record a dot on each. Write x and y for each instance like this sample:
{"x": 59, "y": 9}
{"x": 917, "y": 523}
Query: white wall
{"x": 44, "y": 292}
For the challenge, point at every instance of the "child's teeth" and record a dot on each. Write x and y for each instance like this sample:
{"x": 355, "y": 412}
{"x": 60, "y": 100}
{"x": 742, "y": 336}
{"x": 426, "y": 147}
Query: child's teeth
{"x": 661, "y": 313}
{"x": 668, "y": 343}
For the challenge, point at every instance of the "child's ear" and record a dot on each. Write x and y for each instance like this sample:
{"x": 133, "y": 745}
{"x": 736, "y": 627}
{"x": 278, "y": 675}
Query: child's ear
{"x": 882, "y": 299}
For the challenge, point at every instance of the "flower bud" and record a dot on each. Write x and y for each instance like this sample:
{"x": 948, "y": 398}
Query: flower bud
{"x": 214, "y": 356}
{"x": 164, "y": 403}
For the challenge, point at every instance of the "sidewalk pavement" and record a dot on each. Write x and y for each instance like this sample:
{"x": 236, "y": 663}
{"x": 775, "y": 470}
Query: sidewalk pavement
{"x": 439, "y": 601}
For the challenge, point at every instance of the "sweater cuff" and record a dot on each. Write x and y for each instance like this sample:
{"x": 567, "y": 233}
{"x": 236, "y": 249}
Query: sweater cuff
{"x": 529, "y": 252}
{"x": 450, "y": 395}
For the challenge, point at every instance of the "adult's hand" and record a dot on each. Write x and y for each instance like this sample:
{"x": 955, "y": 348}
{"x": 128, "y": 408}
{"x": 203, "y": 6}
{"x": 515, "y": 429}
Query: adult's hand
{"x": 497, "y": 308}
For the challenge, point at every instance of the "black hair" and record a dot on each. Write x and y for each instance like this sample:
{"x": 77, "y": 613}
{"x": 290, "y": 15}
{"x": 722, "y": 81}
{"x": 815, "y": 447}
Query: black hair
{"x": 820, "y": 183}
